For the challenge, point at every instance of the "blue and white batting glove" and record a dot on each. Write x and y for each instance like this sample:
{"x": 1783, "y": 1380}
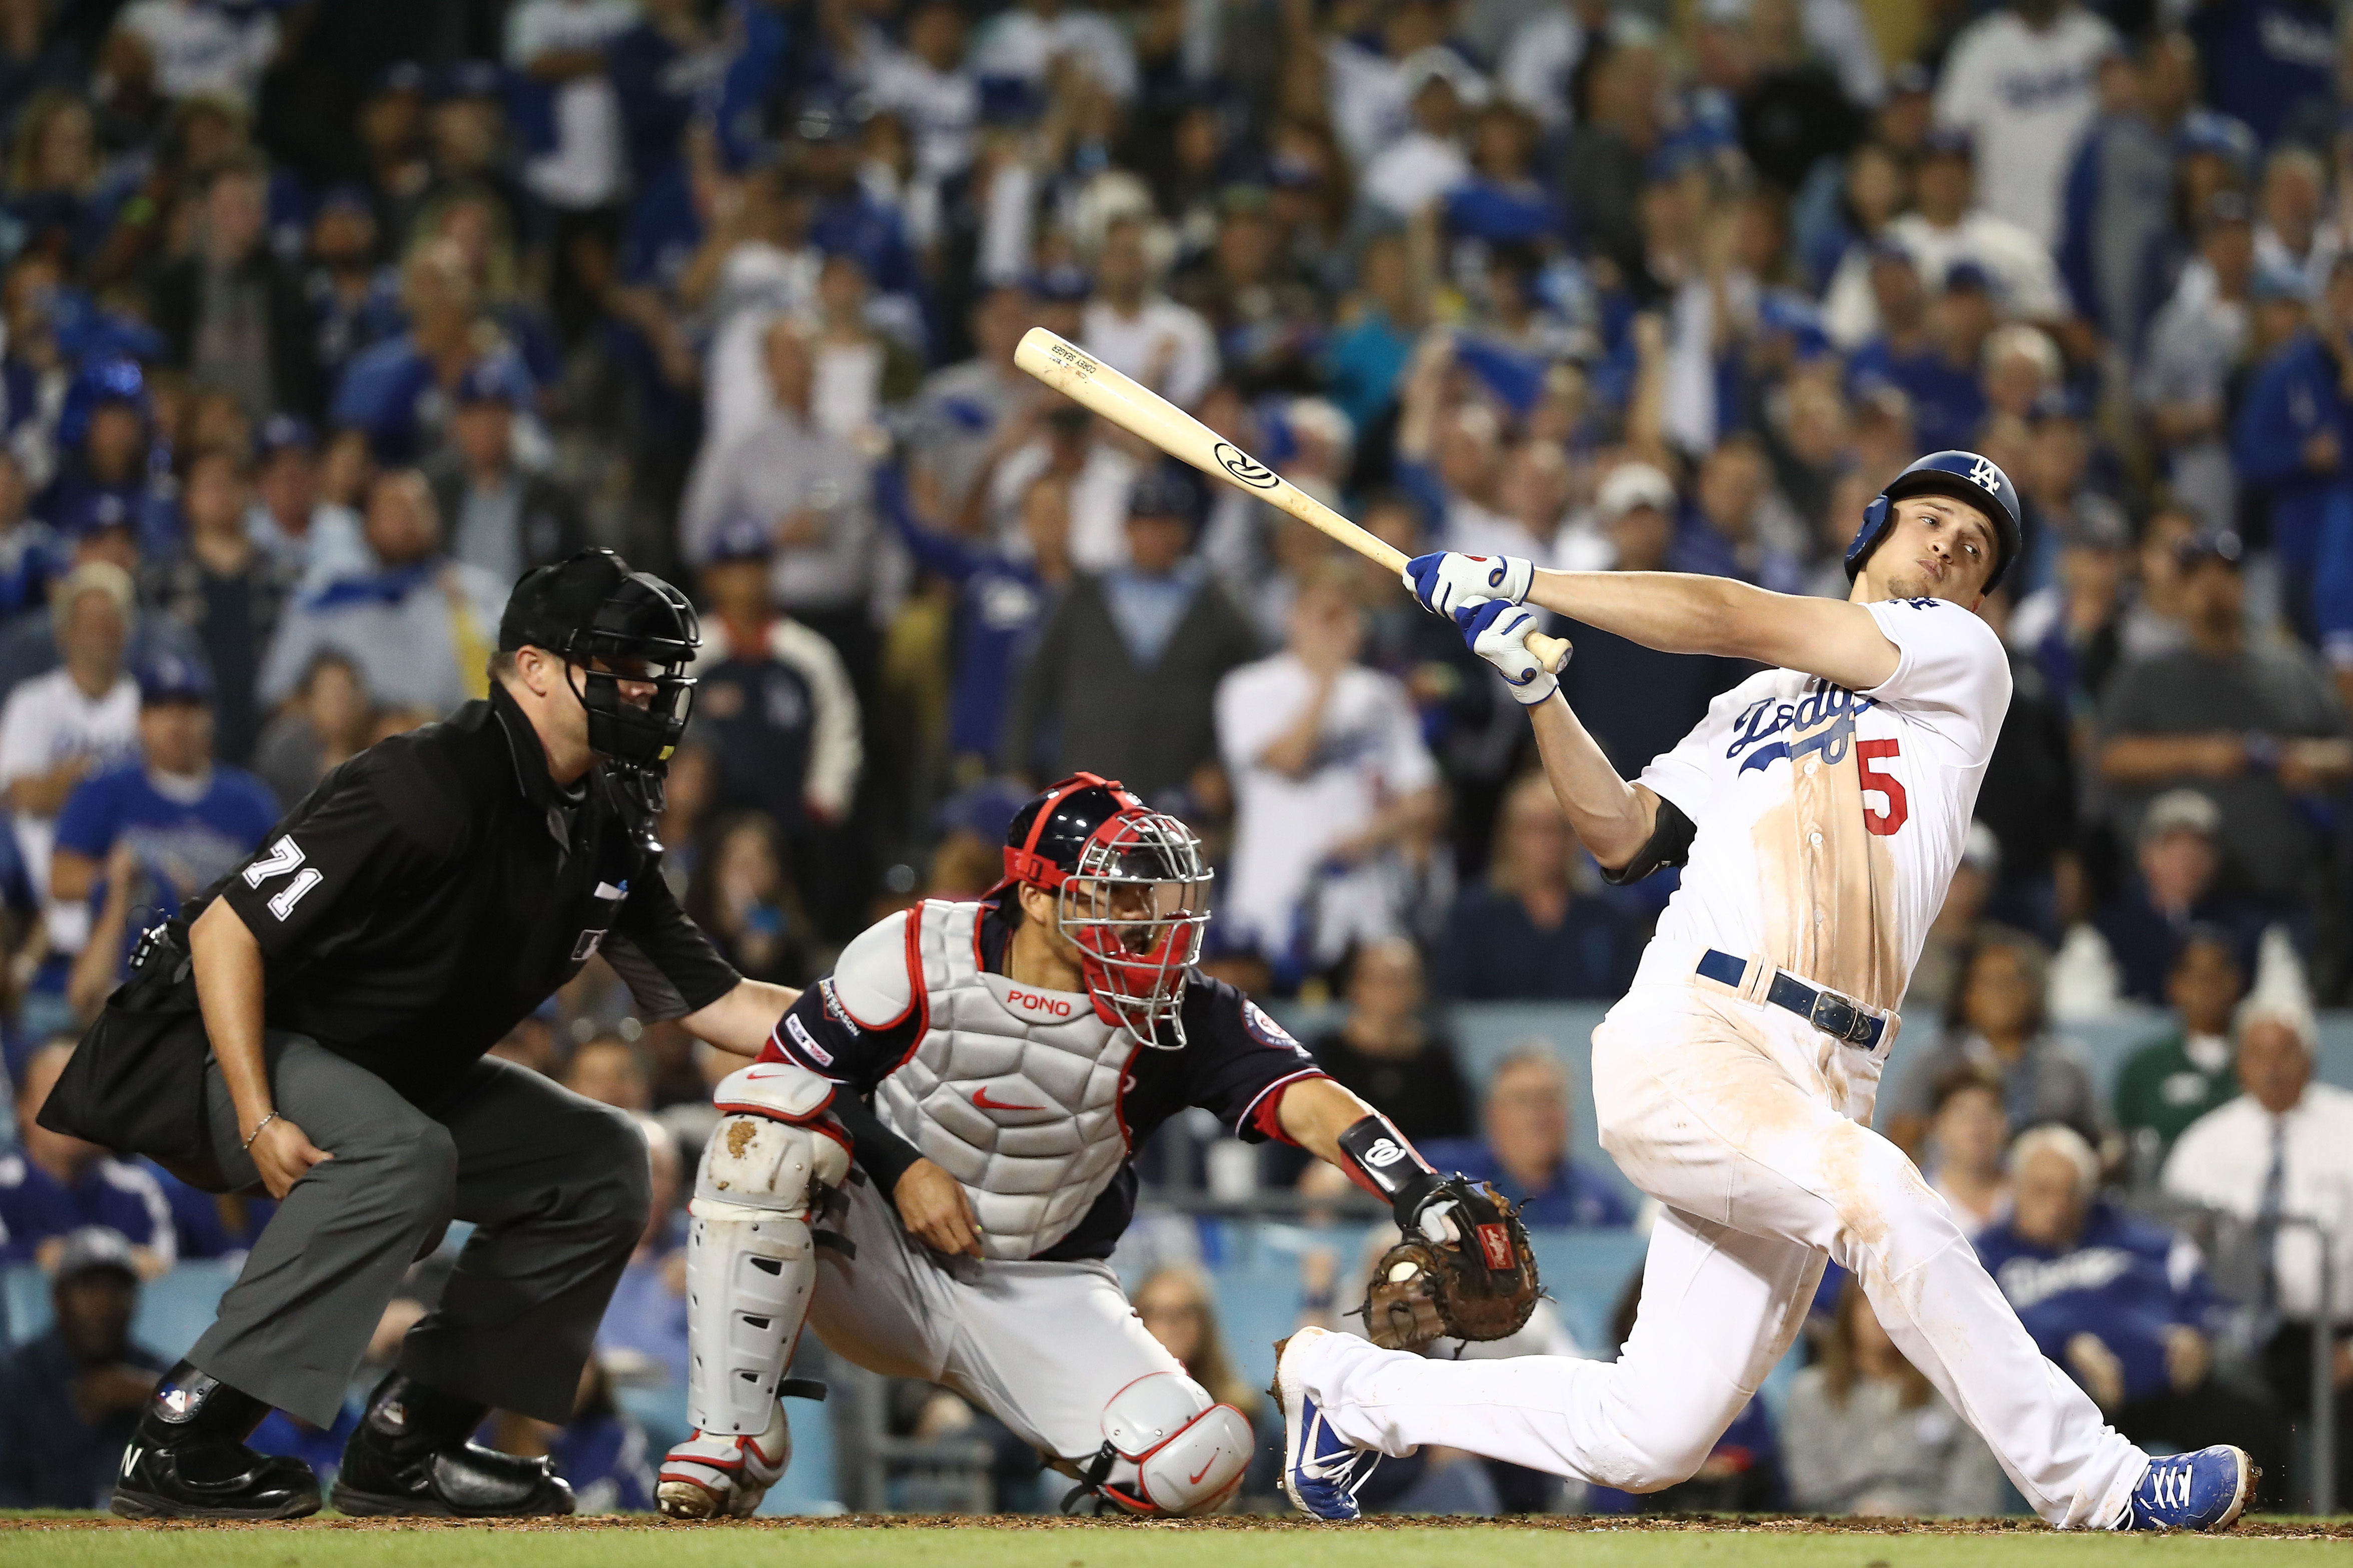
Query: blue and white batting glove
{"x": 1498, "y": 633}
{"x": 1447, "y": 583}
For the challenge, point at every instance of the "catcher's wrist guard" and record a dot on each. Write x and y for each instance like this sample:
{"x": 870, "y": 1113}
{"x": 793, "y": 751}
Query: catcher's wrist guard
{"x": 1383, "y": 1161}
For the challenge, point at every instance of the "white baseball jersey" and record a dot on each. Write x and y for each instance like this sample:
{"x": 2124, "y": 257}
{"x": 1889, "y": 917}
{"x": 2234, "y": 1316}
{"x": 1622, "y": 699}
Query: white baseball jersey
{"x": 1828, "y": 822}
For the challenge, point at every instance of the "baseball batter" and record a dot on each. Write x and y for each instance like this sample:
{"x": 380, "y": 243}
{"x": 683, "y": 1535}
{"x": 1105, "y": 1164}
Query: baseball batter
{"x": 1817, "y": 812}
{"x": 992, "y": 1066}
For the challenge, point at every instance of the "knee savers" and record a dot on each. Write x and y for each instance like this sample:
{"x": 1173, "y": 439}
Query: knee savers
{"x": 1171, "y": 1449}
{"x": 751, "y": 1264}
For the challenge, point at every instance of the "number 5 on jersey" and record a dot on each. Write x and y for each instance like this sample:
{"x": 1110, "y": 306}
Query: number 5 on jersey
{"x": 286, "y": 855}
{"x": 1899, "y": 808}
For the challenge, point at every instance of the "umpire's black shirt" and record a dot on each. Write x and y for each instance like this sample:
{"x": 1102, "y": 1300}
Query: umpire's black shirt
{"x": 434, "y": 890}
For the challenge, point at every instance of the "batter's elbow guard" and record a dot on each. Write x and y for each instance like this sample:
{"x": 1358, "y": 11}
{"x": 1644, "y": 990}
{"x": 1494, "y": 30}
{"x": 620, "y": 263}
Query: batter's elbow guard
{"x": 1668, "y": 845}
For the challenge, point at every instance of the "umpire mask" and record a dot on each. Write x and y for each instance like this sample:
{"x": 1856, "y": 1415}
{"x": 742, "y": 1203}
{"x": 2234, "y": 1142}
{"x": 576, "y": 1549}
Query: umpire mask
{"x": 591, "y": 609}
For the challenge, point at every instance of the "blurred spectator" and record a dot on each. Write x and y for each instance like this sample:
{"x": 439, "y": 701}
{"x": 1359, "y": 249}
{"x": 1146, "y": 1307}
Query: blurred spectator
{"x": 2194, "y": 352}
{"x": 1737, "y": 525}
{"x": 137, "y": 840}
{"x": 645, "y": 1327}
{"x": 105, "y": 447}
{"x": 1997, "y": 1022}
{"x": 59, "y": 727}
{"x": 1136, "y": 330}
{"x": 1331, "y": 780}
{"x": 1969, "y": 1135}
{"x": 1925, "y": 350}
{"x": 813, "y": 492}
{"x": 320, "y": 541}
{"x": 2073, "y": 629}
{"x": 2253, "y": 727}
{"x": 2020, "y": 82}
{"x": 1953, "y": 225}
{"x": 2179, "y": 1076}
{"x": 1881, "y": 1442}
{"x": 1525, "y": 1149}
{"x": 69, "y": 1398}
{"x": 233, "y": 315}
{"x": 1954, "y": 932}
{"x": 1637, "y": 701}
{"x": 1003, "y": 593}
{"x": 1527, "y": 933}
{"x": 396, "y": 392}
{"x": 1387, "y": 1049}
{"x": 228, "y": 592}
{"x": 2288, "y": 433}
{"x": 741, "y": 894}
{"x": 1123, "y": 679}
{"x": 2028, "y": 800}
{"x": 499, "y": 518}
{"x": 2118, "y": 203}
{"x": 2176, "y": 888}
{"x": 972, "y": 411}
{"x": 2283, "y": 1150}
{"x": 1179, "y": 1306}
{"x": 773, "y": 702}
{"x": 53, "y": 1185}
{"x": 419, "y": 631}
{"x": 562, "y": 48}
{"x": 2122, "y": 1305}
{"x": 327, "y": 720}
{"x": 205, "y": 50}
{"x": 608, "y": 1070}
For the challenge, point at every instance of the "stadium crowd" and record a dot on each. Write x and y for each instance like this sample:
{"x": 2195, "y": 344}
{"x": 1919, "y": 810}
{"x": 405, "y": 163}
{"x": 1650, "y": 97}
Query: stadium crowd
{"x": 326, "y": 318}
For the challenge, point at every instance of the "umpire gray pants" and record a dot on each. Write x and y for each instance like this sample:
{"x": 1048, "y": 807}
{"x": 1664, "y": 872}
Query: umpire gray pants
{"x": 556, "y": 1186}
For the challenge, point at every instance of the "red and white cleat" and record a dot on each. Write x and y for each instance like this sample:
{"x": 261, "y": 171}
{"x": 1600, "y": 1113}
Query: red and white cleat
{"x": 710, "y": 1476}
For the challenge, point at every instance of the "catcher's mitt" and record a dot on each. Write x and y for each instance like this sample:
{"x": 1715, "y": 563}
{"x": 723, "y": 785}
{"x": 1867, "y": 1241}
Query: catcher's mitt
{"x": 1482, "y": 1289}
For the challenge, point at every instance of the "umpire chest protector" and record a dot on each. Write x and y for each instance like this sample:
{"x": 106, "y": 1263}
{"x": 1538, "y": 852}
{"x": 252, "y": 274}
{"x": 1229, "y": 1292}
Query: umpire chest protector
{"x": 1012, "y": 1090}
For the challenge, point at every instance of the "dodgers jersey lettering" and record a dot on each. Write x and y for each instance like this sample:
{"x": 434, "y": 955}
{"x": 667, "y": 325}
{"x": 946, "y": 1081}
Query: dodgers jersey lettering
{"x": 1828, "y": 822}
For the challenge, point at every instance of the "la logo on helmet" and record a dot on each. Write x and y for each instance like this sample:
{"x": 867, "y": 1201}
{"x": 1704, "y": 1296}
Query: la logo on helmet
{"x": 1983, "y": 472}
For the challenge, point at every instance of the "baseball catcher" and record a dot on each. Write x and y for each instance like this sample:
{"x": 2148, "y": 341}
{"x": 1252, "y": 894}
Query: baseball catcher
{"x": 930, "y": 1165}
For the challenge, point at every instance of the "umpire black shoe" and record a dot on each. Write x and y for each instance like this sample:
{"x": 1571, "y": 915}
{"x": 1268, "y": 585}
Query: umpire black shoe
{"x": 410, "y": 1456}
{"x": 188, "y": 1458}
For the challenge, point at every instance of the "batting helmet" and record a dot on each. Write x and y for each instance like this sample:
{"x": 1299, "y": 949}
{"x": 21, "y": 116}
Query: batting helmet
{"x": 1129, "y": 884}
{"x": 1966, "y": 476}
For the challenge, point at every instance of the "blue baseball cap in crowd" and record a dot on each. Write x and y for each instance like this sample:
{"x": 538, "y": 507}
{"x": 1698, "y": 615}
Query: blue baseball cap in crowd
{"x": 1949, "y": 142}
{"x": 94, "y": 1247}
{"x": 485, "y": 381}
{"x": 1064, "y": 283}
{"x": 2203, "y": 130}
{"x": 470, "y": 79}
{"x": 1165, "y": 490}
{"x": 168, "y": 677}
{"x": 284, "y": 433}
{"x": 740, "y": 538}
{"x": 1967, "y": 275}
{"x": 86, "y": 512}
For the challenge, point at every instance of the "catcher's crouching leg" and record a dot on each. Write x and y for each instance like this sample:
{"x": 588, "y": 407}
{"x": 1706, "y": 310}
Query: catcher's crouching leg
{"x": 751, "y": 1266}
{"x": 1169, "y": 1448}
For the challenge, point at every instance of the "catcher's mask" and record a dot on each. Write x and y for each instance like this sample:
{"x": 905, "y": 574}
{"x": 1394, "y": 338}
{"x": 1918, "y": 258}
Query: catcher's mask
{"x": 1130, "y": 887}
{"x": 592, "y": 610}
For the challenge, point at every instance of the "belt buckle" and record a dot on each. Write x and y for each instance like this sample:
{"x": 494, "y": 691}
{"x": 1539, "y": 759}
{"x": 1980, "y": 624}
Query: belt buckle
{"x": 1834, "y": 1014}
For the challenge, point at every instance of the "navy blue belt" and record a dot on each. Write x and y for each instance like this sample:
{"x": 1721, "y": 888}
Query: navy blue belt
{"x": 1825, "y": 1010}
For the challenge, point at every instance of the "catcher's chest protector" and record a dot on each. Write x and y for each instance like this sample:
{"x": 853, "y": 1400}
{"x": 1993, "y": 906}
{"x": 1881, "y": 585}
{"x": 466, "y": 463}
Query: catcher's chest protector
{"x": 1012, "y": 1091}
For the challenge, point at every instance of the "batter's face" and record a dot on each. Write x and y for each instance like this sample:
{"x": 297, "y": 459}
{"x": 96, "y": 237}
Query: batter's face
{"x": 1939, "y": 547}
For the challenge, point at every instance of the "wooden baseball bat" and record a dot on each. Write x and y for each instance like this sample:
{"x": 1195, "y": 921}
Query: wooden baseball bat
{"x": 1136, "y": 408}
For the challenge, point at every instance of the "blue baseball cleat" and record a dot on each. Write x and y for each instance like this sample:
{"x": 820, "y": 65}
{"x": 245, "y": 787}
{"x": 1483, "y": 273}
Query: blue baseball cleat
{"x": 1320, "y": 1472}
{"x": 2205, "y": 1490}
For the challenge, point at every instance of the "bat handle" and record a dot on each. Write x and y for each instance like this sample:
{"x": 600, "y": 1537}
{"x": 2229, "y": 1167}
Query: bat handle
{"x": 1551, "y": 652}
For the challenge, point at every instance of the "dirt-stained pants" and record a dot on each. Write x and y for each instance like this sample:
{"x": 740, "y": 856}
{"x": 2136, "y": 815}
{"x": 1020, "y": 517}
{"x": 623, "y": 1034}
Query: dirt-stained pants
{"x": 1746, "y": 1124}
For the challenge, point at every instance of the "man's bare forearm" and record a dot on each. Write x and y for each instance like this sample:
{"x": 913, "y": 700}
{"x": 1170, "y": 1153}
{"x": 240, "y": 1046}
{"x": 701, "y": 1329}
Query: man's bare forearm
{"x": 1682, "y": 612}
{"x": 229, "y": 970}
{"x": 1611, "y": 817}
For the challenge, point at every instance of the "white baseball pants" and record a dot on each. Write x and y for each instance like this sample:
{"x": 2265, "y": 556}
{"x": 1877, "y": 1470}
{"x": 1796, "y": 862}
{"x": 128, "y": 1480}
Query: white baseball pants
{"x": 1738, "y": 1118}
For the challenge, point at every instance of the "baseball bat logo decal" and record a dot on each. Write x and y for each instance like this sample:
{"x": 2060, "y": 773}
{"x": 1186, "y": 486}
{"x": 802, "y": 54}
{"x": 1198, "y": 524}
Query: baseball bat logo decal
{"x": 1244, "y": 467}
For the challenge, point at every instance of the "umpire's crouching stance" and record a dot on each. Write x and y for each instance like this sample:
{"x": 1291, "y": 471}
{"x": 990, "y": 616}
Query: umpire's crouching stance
{"x": 426, "y": 896}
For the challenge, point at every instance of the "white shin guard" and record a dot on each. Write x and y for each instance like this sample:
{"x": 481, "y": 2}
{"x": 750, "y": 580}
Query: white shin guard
{"x": 751, "y": 1265}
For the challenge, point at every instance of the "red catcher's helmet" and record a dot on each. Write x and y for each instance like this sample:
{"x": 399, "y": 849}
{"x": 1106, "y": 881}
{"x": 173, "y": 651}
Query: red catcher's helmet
{"x": 1130, "y": 886}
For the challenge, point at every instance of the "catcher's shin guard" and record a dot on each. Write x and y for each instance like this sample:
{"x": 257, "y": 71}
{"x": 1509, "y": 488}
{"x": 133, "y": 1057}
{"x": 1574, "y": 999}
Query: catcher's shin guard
{"x": 1168, "y": 1448}
{"x": 751, "y": 1265}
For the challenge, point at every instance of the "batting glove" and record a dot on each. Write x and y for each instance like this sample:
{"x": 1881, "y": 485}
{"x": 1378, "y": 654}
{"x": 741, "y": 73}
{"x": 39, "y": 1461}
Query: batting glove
{"x": 1447, "y": 583}
{"x": 1498, "y": 633}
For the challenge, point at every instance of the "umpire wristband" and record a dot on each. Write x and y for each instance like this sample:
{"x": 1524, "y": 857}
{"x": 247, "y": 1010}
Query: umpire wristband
{"x": 1385, "y": 1162}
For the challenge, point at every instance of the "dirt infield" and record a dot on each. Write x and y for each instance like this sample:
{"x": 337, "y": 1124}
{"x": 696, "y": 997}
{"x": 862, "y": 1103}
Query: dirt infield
{"x": 2281, "y": 1529}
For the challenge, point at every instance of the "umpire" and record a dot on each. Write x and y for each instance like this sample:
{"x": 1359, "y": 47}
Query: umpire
{"x": 318, "y": 1028}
